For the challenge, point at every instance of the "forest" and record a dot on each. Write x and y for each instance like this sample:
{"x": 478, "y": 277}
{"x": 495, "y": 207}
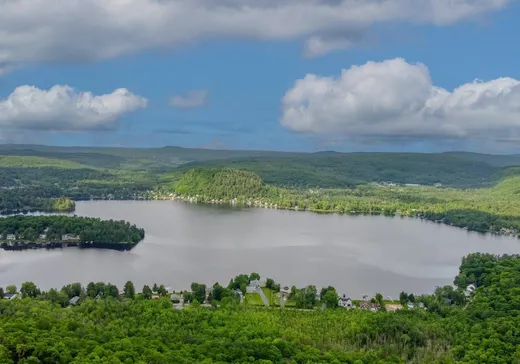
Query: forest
{"x": 109, "y": 326}
{"x": 28, "y": 230}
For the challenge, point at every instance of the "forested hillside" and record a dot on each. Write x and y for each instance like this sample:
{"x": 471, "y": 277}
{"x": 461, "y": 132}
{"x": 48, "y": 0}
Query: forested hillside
{"x": 337, "y": 170}
{"x": 130, "y": 328}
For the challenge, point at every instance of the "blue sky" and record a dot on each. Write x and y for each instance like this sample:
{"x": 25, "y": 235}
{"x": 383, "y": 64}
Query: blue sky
{"x": 246, "y": 79}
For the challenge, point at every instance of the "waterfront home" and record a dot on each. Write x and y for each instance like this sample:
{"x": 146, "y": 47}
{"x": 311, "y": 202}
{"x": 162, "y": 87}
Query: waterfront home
{"x": 365, "y": 305}
{"x": 176, "y": 298}
{"x": 68, "y": 237}
{"x": 10, "y": 296}
{"x": 285, "y": 290}
{"x": 393, "y": 307}
{"x": 10, "y": 237}
{"x": 42, "y": 236}
{"x": 470, "y": 290}
{"x": 74, "y": 300}
{"x": 345, "y": 302}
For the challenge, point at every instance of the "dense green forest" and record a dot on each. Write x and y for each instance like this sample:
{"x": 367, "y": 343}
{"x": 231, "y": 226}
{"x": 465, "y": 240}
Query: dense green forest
{"x": 128, "y": 327}
{"x": 25, "y": 231}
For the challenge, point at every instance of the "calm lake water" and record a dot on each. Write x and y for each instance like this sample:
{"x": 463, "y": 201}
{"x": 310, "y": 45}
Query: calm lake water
{"x": 186, "y": 243}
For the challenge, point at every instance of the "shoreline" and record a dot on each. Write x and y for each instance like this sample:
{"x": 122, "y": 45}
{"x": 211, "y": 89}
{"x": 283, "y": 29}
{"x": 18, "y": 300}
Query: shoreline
{"x": 18, "y": 246}
{"x": 259, "y": 203}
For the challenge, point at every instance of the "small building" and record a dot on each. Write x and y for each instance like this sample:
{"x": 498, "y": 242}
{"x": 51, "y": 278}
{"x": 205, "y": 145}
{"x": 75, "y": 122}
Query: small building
{"x": 68, "y": 237}
{"x": 410, "y": 305}
{"x": 393, "y": 307}
{"x": 10, "y": 296}
{"x": 155, "y": 297}
{"x": 10, "y": 237}
{"x": 470, "y": 290}
{"x": 258, "y": 282}
{"x": 74, "y": 300}
{"x": 285, "y": 290}
{"x": 176, "y": 298}
{"x": 251, "y": 289}
{"x": 369, "y": 306}
{"x": 42, "y": 236}
{"x": 345, "y": 302}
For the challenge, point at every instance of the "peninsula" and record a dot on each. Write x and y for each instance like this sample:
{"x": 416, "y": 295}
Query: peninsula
{"x": 33, "y": 232}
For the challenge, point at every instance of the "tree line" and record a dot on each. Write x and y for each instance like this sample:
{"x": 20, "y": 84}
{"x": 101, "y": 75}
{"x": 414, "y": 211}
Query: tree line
{"x": 126, "y": 327}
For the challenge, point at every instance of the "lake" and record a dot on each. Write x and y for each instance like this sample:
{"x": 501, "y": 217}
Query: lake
{"x": 187, "y": 242}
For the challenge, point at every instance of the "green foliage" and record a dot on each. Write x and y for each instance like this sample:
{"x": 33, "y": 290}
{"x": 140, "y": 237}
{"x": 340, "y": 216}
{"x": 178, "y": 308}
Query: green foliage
{"x": 339, "y": 170}
{"x": 129, "y": 290}
{"x": 199, "y": 292}
{"x": 221, "y": 184}
{"x": 486, "y": 329}
{"x": 31, "y": 229}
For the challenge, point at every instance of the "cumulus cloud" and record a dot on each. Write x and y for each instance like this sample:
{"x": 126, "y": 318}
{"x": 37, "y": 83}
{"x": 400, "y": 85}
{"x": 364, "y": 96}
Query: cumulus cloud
{"x": 395, "y": 99}
{"x": 62, "y": 108}
{"x": 39, "y": 31}
{"x": 192, "y": 99}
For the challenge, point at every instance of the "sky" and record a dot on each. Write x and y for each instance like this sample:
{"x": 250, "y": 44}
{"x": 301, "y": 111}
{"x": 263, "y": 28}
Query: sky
{"x": 291, "y": 75}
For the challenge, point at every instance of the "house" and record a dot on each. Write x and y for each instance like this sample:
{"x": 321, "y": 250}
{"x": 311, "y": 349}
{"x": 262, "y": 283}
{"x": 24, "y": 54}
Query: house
{"x": 393, "y": 307}
{"x": 10, "y": 237}
{"x": 370, "y": 306}
{"x": 74, "y": 300}
{"x": 176, "y": 298}
{"x": 410, "y": 305}
{"x": 68, "y": 237}
{"x": 155, "y": 297}
{"x": 470, "y": 290}
{"x": 42, "y": 236}
{"x": 251, "y": 289}
{"x": 345, "y": 302}
{"x": 10, "y": 296}
{"x": 258, "y": 282}
{"x": 285, "y": 290}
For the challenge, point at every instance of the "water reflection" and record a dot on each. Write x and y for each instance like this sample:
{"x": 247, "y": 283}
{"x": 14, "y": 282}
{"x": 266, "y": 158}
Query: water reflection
{"x": 186, "y": 243}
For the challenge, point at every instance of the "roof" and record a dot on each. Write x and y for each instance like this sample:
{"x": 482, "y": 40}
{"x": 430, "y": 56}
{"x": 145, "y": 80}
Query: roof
{"x": 369, "y": 305}
{"x": 10, "y": 296}
{"x": 345, "y": 298}
{"x": 74, "y": 300}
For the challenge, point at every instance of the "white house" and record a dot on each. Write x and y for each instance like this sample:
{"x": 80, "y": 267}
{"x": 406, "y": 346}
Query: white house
{"x": 410, "y": 305}
{"x": 286, "y": 290}
{"x": 11, "y": 237}
{"x": 258, "y": 282}
{"x": 470, "y": 290}
{"x": 345, "y": 302}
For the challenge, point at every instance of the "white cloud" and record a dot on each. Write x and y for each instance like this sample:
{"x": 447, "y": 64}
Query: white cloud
{"x": 318, "y": 45}
{"x": 42, "y": 31}
{"x": 196, "y": 98}
{"x": 64, "y": 109}
{"x": 395, "y": 99}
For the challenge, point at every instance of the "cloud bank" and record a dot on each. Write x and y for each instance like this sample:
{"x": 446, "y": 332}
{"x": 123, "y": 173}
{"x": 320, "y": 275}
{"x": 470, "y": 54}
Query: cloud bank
{"x": 40, "y": 31}
{"x": 192, "y": 99}
{"x": 395, "y": 99}
{"x": 61, "y": 108}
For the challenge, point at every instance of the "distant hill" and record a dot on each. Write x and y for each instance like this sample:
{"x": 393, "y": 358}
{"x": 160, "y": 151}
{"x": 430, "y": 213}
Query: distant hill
{"x": 326, "y": 169}
{"x": 330, "y": 170}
